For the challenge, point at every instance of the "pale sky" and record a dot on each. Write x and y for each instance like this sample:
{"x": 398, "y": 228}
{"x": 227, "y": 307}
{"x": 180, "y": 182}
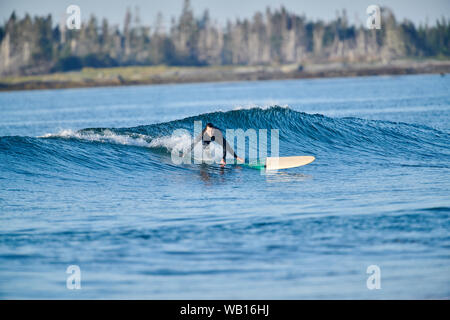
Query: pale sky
{"x": 419, "y": 11}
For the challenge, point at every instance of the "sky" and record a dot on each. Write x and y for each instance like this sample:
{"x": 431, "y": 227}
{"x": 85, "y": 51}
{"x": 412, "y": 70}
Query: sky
{"x": 419, "y": 11}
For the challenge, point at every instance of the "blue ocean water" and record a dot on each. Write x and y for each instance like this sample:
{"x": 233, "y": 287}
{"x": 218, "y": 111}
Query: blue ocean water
{"x": 86, "y": 179}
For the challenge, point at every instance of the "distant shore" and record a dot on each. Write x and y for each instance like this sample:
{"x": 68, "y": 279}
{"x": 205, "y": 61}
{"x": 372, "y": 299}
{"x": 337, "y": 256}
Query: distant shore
{"x": 140, "y": 75}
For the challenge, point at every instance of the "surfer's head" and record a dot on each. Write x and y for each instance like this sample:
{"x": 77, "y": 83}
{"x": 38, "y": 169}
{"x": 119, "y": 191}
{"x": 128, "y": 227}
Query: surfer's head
{"x": 209, "y": 127}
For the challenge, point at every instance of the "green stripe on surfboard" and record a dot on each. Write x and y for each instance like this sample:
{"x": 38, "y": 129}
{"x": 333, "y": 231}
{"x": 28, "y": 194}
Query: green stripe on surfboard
{"x": 254, "y": 165}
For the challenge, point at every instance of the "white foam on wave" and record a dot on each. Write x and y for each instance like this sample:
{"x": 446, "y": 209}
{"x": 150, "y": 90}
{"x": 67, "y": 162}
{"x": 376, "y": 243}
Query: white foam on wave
{"x": 175, "y": 142}
{"x": 105, "y": 136}
{"x": 180, "y": 142}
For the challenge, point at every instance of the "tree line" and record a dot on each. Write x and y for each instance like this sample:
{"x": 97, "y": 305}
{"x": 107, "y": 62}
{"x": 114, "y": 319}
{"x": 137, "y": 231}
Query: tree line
{"x": 36, "y": 45}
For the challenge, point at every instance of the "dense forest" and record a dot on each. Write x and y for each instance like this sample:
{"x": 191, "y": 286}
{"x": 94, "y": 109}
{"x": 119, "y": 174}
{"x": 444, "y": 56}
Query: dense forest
{"x": 38, "y": 45}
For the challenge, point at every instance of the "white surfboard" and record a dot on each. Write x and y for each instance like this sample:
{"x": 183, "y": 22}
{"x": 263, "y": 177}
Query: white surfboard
{"x": 275, "y": 163}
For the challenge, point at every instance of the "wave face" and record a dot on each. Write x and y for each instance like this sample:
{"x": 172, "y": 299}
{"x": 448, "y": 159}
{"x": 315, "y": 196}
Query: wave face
{"x": 331, "y": 140}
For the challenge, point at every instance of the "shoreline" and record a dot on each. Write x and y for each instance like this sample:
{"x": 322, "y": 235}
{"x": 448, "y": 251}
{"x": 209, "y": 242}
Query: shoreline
{"x": 147, "y": 75}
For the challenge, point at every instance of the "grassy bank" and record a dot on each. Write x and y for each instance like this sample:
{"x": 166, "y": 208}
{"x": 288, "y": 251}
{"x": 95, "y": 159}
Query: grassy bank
{"x": 89, "y": 77}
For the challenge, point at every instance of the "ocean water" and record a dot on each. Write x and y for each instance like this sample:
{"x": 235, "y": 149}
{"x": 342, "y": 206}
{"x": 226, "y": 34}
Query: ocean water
{"x": 86, "y": 179}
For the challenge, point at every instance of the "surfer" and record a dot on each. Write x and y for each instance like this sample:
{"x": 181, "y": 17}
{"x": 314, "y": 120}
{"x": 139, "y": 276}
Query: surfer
{"x": 212, "y": 133}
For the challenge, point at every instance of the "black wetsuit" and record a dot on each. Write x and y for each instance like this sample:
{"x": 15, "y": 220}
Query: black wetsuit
{"x": 217, "y": 137}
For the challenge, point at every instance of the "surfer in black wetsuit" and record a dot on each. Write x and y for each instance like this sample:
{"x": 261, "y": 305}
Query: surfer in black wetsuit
{"x": 211, "y": 133}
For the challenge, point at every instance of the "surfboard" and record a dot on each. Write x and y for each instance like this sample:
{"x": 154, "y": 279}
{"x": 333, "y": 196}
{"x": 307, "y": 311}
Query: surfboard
{"x": 276, "y": 163}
